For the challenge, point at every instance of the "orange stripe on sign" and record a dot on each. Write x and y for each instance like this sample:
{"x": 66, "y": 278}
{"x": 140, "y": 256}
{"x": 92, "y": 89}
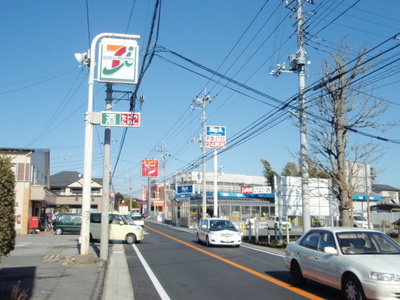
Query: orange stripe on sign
{"x": 256, "y": 273}
{"x": 113, "y": 47}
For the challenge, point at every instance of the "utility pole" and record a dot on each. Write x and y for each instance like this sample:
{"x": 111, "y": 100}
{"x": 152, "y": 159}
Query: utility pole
{"x": 164, "y": 154}
{"x": 106, "y": 181}
{"x": 298, "y": 64}
{"x": 202, "y": 103}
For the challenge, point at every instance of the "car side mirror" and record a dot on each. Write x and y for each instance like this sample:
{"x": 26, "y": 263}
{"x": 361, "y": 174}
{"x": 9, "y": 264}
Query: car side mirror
{"x": 204, "y": 226}
{"x": 330, "y": 250}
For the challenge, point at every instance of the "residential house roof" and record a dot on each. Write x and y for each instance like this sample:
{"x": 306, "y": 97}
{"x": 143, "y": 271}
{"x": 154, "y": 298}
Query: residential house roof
{"x": 65, "y": 178}
{"x": 384, "y": 187}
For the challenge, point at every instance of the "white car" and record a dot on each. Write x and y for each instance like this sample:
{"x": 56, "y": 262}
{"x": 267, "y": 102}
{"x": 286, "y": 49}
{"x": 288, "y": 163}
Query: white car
{"x": 362, "y": 222}
{"x": 217, "y": 231}
{"x": 273, "y": 221}
{"x": 137, "y": 220}
{"x": 362, "y": 263}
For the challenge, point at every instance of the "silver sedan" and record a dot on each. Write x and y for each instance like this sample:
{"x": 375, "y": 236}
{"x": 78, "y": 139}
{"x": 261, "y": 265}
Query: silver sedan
{"x": 362, "y": 263}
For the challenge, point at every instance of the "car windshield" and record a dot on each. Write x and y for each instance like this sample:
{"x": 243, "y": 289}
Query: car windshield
{"x": 367, "y": 243}
{"x": 129, "y": 220}
{"x": 221, "y": 224}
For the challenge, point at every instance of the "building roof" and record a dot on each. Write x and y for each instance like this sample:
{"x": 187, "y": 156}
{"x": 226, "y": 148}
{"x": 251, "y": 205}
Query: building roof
{"x": 384, "y": 187}
{"x": 22, "y": 150}
{"x": 65, "y": 178}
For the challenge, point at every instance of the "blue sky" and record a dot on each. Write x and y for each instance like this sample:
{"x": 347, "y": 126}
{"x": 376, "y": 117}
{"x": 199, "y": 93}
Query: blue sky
{"x": 43, "y": 89}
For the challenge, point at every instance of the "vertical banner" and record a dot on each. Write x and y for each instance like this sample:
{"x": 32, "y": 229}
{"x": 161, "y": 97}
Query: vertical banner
{"x": 150, "y": 168}
{"x": 144, "y": 192}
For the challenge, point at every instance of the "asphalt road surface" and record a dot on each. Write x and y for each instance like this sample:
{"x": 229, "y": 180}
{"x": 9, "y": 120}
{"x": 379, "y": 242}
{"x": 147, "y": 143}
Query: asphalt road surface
{"x": 170, "y": 264}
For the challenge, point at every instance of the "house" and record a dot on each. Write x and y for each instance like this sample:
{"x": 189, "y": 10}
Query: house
{"x": 387, "y": 193}
{"x": 68, "y": 187}
{"x": 32, "y": 186}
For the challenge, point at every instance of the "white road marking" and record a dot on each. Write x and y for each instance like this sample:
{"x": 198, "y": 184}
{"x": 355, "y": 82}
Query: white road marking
{"x": 160, "y": 290}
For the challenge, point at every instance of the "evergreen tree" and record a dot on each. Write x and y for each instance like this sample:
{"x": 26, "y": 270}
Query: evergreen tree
{"x": 7, "y": 206}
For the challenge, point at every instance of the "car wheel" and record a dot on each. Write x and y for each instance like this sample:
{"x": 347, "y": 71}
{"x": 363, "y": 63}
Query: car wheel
{"x": 130, "y": 238}
{"x": 58, "y": 231}
{"x": 207, "y": 242}
{"x": 295, "y": 272}
{"x": 352, "y": 289}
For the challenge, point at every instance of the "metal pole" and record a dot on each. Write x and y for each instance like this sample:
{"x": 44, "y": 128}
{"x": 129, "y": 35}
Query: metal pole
{"x": 204, "y": 209}
{"x": 216, "y": 183}
{"x": 106, "y": 182}
{"x": 148, "y": 195}
{"x": 301, "y": 63}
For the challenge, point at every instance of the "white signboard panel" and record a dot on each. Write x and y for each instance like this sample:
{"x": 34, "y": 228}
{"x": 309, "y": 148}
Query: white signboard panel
{"x": 118, "y": 61}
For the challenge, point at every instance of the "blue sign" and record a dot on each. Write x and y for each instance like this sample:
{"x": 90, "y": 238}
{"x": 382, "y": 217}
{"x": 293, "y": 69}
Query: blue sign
{"x": 185, "y": 189}
{"x": 216, "y": 130}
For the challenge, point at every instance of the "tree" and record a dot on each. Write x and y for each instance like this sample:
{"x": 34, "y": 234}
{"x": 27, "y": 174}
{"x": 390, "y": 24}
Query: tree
{"x": 344, "y": 107}
{"x": 314, "y": 170}
{"x": 268, "y": 173}
{"x": 290, "y": 169}
{"x": 119, "y": 198}
{"x": 7, "y": 205}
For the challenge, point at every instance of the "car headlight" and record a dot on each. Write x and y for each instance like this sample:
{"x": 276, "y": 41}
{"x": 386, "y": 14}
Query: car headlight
{"x": 211, "y": 232}
{"x": 384, "y": 276}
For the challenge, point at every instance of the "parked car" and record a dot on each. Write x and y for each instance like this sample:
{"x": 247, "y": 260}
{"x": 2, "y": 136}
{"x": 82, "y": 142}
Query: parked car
{"x": 362, "y": 263}
{"x": 218, "y": 231}
{"x": 120, "y": 228}
{"x": 273, "y": 221}
{"x": 137, "y": 220}
{"x": 361, "y": 222}
{"x": 67, "y": 222}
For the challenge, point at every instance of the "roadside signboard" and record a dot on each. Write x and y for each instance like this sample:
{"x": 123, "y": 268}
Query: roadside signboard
{"x": 118, "y": 61}
{"x": 256, "y": 189}
{"x": 185, "y": 189}
{"x": 121, "y": 119}
{"x": 150, "y": 168}
{"x": 216, "y": 137}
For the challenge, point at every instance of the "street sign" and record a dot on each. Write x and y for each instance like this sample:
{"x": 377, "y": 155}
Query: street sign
{"x": 121, "y": 119}
{"x": 216, "y": 137}
{"x": 185, "y": 189}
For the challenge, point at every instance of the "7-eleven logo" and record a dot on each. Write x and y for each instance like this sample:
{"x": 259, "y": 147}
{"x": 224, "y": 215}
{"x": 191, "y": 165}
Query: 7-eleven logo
{"x": 118, "y": 61}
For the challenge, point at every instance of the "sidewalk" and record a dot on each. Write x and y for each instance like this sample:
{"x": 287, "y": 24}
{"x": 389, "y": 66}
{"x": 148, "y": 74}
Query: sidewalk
{"x": 45, "y": 266}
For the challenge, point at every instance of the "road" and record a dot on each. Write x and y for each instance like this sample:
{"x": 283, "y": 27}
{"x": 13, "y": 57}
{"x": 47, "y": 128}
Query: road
{"x": 170, "y": 264}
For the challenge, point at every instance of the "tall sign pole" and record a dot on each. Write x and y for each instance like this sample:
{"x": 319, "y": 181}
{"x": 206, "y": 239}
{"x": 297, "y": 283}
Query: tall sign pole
{"x": 108, "y": 72}
{"x": 216, "y": 139}
{"x": 215, "y": 183}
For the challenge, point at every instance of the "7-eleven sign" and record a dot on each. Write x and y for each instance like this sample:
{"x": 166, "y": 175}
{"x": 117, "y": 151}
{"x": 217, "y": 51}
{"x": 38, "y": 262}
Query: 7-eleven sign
{"x": 118, "y": 61}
